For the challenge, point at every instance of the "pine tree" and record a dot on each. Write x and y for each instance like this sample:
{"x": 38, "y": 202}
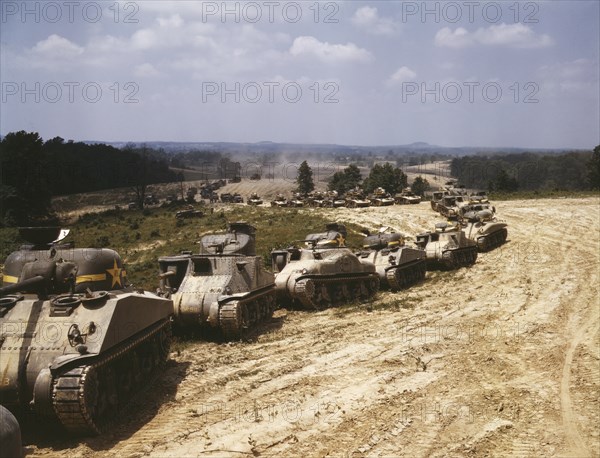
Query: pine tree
{"x": 305, "y": 179}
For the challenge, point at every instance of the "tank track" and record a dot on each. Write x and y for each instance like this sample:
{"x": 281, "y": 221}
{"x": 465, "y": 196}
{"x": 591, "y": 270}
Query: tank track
{"x": 319, "y": 293}
{"x": 86, "y": 398}
{"x": 402, "y": 277}
{"x": 494, "y": 240}
{"x": 462, "y": 257}
{"x": 238, "y": 317}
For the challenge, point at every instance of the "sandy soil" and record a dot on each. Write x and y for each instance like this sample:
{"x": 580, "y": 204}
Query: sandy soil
{"x": 500, "y": 359}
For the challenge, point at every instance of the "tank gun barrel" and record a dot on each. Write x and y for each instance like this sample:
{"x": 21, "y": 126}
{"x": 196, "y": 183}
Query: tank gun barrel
{"x": 33, "y": 282}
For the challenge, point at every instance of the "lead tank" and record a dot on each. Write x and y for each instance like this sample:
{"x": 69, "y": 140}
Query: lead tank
{"x": 76, "y": 342}
{"x": 223, "y": 287}
{"x": 397, "y": 264}
{"x": 324, "y": 274}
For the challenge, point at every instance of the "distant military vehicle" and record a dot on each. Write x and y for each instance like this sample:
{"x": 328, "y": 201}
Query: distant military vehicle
{"x": 397, "y": 264}
{"x": 223, "y": 287}
{"x": 407, "y": 197}
{"x": 150, "y": 200}
{"x": 227, "y": 198}
{"x": 254, "y": 199}
{"x": 77, "y": 343}
{"x": 297, "y": 200}
{"x": 237, "y": 198}
{"x": 324, "y": 274}
{"x": 355, "y": 198}
{"x": 316, "y": 199}
{"x": 447, "y": 247}
{"x": 280, "y": 201}
{"x": 189, "y": 212}
{"x": 381, "y": 198}
{"x": 449, "y": 206}
{"x": 334, "y": 200}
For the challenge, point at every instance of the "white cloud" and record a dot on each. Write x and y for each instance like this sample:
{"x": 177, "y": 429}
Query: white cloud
{"x": 145, "y": 70}
{"x": 403, "y": 74}
{"x": 172, "y": 22}
{"x": 579, "y": 75}
{"x": 57, "y": 47}
{"x": 145, "y": 39}
{"x": 367, "y": 18}
{"x": 330, "y": 53}
{"x": 511, "y": 35}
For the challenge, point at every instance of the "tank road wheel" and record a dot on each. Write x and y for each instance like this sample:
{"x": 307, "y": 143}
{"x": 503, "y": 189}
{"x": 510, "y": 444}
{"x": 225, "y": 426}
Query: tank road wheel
{"x": 393, "y": 278}
{"x": 95, "y": 400}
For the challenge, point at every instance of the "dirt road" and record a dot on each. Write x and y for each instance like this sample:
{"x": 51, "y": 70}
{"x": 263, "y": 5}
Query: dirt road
{"x": 500, "y": 359}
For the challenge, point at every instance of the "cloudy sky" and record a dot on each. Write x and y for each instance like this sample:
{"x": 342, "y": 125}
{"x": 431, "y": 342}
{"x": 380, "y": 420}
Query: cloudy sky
{"x": 348, "y": 72}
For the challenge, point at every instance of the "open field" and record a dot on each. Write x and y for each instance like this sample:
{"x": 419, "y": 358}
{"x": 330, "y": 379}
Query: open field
{"x": 500, "y": 359}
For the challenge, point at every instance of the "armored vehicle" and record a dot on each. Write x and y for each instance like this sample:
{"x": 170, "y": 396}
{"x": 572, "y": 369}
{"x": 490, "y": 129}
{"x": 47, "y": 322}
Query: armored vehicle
{"x": 316, "y": 199}
{"x": 380, "y": 198}
{"x": 447, "y": 247}
{"x": 254, "y": 199}
{"x": 356, "y": 199}
{"x": 189, "y": 212}
{"x": 237, "y": 198}
{"x": 297, "y": 200}
{"x": 227, "y": 198}
{"x": 223, "y": 287}
{"x": 481, "y": 226}
{"x": 397, "y": 264}
{"x": 407, "y": 197}
{"x": 76, "y": 343}
{"x": 334, "y": 200}
{"x": 280, "y": 201}
{"x": 449, "y": 206}
{"x": 326, "y": 273}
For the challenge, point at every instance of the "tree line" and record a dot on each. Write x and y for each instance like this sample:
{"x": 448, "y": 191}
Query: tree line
{"x": 577, "y": 171}
{"x": 32, "y": 171}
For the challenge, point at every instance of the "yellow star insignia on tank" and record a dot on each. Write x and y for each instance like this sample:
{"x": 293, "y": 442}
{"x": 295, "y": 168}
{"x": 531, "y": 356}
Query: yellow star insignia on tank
{"x": 116, "y": 274}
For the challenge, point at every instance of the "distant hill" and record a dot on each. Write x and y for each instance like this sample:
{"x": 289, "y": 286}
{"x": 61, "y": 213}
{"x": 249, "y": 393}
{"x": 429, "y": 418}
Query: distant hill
{"x": 290, "y": 148}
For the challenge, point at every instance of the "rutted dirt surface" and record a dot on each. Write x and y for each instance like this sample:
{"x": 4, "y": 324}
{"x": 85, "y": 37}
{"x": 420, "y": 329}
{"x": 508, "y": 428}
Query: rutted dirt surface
{"x": 500, "y": 359}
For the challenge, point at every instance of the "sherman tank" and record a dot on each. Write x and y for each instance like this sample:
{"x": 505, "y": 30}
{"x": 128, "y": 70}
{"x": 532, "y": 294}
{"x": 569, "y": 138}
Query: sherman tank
{"x": 280, "y": 201}
{"x": 355, "y": 199}
{"x": 323, "y": 274}
{"x": 481, "y": 226}
{"x": 381, "y": 198}
{"x": 77, "y": 343}
{"x": 254, "y": 199}
{"x": 447, "y": 247}
{"x": 223, "y": 287}
{"x": 397, "y": 264}
{"x": 407, "y": 197}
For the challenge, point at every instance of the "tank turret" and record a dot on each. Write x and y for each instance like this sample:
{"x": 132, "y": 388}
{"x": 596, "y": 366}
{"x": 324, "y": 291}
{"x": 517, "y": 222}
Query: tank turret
{"x": 447, "y": 247}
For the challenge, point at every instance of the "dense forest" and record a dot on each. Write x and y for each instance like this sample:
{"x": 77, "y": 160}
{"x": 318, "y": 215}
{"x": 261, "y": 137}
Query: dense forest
{"x": 576, "y": 171}
{"x": 33, "y": 170}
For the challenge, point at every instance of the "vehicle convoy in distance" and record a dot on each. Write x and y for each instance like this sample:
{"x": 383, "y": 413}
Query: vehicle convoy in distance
{"x": 223, "y": 287}
{"x": 323, "y": 274}
{"x": 447, "y": 247}
{"x": 397, "y": 264}
{"x": 407, "y": 197}
{"x": 108, "y": 340}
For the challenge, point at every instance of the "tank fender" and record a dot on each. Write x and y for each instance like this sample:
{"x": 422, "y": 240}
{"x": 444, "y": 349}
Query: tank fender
{"x": 63, "y": 360}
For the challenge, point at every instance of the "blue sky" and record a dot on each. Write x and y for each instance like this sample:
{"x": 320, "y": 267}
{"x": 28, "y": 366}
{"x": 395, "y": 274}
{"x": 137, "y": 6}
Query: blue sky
{"x": 350, "y": 72}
